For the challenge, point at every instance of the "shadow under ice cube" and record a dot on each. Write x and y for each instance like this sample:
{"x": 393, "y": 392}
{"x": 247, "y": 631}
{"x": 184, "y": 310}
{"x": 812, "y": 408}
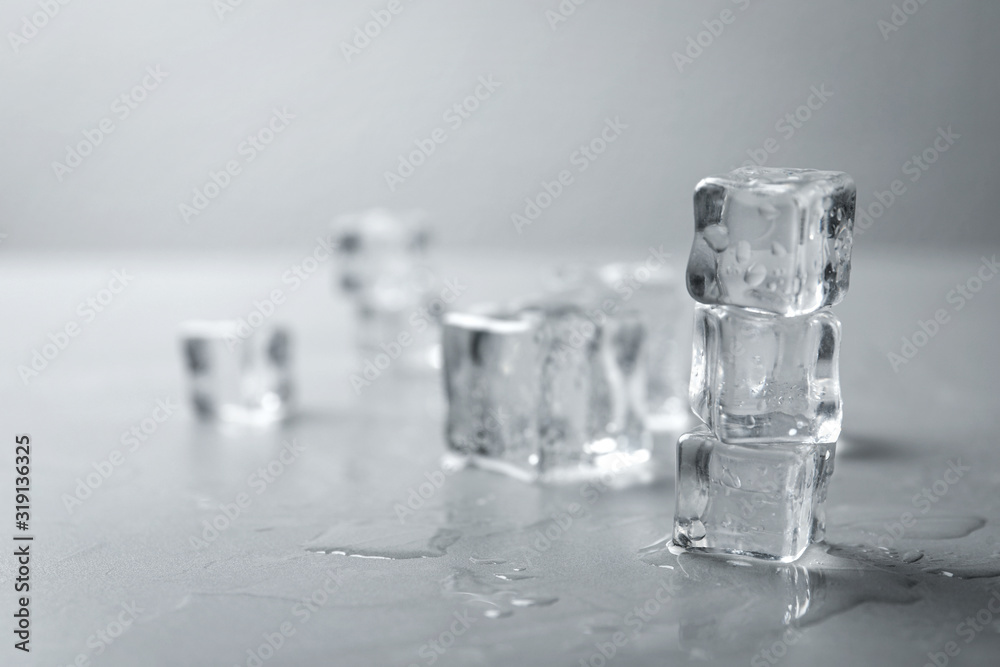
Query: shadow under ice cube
{"x": 763, "y": 501}
{"x": 759, "y": 377}
{"x": 774, "y": 239}
{"x": 236, "y": 374}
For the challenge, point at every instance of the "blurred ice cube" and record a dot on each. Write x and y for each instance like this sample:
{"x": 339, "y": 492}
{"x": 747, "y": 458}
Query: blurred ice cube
{"x": 237, "y": 373}
{"x": 383, "y": 269}
{"x": 652, "y": 292}
{"x": 541, "y": 389}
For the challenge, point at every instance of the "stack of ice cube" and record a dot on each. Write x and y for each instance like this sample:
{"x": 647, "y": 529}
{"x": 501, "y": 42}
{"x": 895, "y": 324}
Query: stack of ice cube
{"x": 771, "y": 254}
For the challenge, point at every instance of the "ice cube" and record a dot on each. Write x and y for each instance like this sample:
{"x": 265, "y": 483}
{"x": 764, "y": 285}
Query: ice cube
{"x": 381, "y": 258}
{"x": 759, "y": 377}
{"x": 236, "y": 373}
{"x": 763, "y": 501}
{"x": 542, "y": 390}
{"x": 593, "y": 393}
{"x": 492, "y": 376}
{"x": 651, "y": 291}
{"x": 382, "y": 267}
{"x": 774, "y": 239}
{"x": 656, "y": 295}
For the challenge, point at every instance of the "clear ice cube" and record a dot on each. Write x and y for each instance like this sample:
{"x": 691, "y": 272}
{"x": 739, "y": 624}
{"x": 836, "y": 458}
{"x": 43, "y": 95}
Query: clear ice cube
{"x": 650, "y": 291}
{"x": 773, "y": 239}
{"x": 656, "y": 295}
{"x": 593, "y": 393}
{"x": 380, "y": 257}
{"x": 492, "y": 377}
{"x": 382, "y": 267}
{"x": 542, "y": 390}
{"x": 759, "y": 377}
{"x": 237, "y": 374}
{"x": 763, "y": 501}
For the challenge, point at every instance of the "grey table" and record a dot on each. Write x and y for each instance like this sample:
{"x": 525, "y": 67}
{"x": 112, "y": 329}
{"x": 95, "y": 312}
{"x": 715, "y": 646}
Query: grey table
{"x": 488, "y": 570}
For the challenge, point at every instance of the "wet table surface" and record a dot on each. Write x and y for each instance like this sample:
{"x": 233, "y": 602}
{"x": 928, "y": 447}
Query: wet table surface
{"x": 484, "y": 570}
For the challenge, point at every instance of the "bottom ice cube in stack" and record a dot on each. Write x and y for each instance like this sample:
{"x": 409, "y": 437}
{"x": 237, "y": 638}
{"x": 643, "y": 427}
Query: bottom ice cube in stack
{"x": 755, "y": 500}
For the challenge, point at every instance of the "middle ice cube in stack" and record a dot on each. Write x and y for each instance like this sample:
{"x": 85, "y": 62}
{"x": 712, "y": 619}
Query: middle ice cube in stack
{"x": 771, "y": 254}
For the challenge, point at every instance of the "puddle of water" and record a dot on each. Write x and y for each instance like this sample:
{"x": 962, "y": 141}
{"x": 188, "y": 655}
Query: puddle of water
{"x": 922, "y": 528}
{"x": 497, "y": 591}
{"x": 384, "y": 541}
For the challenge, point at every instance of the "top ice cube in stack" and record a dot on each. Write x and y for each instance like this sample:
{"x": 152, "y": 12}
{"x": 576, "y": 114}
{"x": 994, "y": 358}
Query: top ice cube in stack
{"x": 777, "y": 240}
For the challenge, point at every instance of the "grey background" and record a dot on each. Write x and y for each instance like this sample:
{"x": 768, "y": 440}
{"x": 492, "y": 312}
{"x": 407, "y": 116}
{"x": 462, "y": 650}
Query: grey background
{"x": 352, "y": 120}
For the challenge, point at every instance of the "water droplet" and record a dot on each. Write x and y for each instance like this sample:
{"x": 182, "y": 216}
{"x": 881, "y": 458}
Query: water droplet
{"x": 519, "y": 569}
{"x": 497, "y": 613}
{"x": 730, "y": 478}
{"x": 696, "y": 531}
{"x": 778, "y": 250}
{"x": 755, "y": 275}
{"x": 514, "y": 577}
{"x": 717, "y": 237}
{"x": 533, "y": 602}
{"x": 911, "y": 556}
{"x": 486, "y": 561}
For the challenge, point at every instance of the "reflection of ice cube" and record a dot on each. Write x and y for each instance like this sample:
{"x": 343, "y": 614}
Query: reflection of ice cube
{"x": 544, "y": 390}
{"x": 237, "y": 374}
{"x": 650, "y": 291}
{"x": 759, "y": 377}
{"x": 756, "y": 500}
{"x": 774, "y": 239}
